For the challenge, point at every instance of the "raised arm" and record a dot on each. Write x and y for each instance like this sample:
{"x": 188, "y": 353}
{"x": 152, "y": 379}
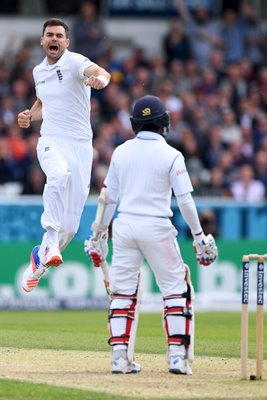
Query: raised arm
{"x": 98, "y": 77}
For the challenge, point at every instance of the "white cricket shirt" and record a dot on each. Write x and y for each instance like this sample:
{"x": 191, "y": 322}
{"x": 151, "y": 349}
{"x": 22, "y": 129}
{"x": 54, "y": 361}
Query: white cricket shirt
{"x": 143, "y": 171}
{"x": 65, "y": 98}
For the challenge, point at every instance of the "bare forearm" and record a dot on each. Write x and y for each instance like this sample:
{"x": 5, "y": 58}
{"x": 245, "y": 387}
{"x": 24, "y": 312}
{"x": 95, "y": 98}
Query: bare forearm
{"x": 98, "y": 77}
{"x": 36, "y": 111}
{"x": 34, "y": 114}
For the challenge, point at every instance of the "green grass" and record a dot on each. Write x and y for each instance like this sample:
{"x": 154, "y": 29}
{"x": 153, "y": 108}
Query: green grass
{"x": 21, "y": 391}
{"x": 217, "y": 334}
{"x": 16, "y": 390}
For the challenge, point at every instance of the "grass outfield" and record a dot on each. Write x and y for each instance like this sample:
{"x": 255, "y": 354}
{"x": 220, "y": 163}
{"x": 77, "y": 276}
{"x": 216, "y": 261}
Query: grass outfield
{"x": 69, "y": 349}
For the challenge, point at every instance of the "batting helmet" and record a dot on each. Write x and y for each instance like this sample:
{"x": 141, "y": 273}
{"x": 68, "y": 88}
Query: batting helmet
{"x": 149, "y": 110}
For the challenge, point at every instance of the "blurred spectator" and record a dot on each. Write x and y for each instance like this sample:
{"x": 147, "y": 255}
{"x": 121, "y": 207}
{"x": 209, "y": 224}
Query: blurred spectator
{"x": 228, "y": 166}
{"x": 192, "y": 78}
{"x": 8, "y": 165}
{"x": 140, "y": 57}
{"x": 212, "y": 108}
{"x": 20, "y": 96}
{"x": 4, "y": 80}
{"x": 199, "y": 124}
{"x": 29, "y": 161}
{"x": 218, "y": 65}
{"x": 195, "y": 167}
{"x": 259, "y": 130}
{"x": 203, "y": 32}
{"x": 246, "y": 187}
{"x": 177, "y": 125}
{"x": 260, "y": 166}
{"x": 89, "y": 36}
{"x": 216, "y": 187}
{"x": 262, "y": 87}
{"x": 215, "y": 91}
{"x": 175, "y": 43}
{"x": 213, "y": 147}
{"x": 246, "y": 113}
{"x": 158, "y": 68}
{"x": 35, "y": 182}
{"x": 143, "y": 76}
{"x": 7, "y": 111}
{"x": 16, "y": 141}
{"x": 208, "y": 84}
{"x": 255, "y": 40}
{"x": 235, "y": 84}
{"x": 233, "y": 36}
{"x": 209, "y": 223}
{"x": 231, "y": 131}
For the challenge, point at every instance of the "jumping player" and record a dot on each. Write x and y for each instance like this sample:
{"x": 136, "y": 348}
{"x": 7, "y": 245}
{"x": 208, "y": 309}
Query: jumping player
{"x": 142, "y": 174}
{"x": 63, "y": 84}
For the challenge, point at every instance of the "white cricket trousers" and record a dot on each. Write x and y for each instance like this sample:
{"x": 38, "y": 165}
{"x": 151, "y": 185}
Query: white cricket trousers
{"x": 67, "y": 166}
{"x": 136, "y": 238}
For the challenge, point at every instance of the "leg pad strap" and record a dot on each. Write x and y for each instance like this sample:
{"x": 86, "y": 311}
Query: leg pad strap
{"x": 123, "y": 313}
{"x": 181, "y": 311}
{"x": 179, "y": 340}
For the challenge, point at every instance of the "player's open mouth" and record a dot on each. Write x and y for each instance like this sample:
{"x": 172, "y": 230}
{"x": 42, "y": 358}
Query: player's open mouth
{"x": 53, "y": 48}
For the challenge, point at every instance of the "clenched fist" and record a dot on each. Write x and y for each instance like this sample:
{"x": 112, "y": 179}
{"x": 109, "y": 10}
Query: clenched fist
{"x": 24, "y": 119}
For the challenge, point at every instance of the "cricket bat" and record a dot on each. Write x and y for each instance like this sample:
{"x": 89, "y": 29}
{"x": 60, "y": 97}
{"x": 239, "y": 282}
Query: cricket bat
{"x": 131, "y": 343}
{"x": 98, "y": 220}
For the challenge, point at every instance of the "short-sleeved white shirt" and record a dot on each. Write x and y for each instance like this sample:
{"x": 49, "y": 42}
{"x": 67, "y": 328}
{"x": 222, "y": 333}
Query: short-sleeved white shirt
{"x": 143, "y": 171}
{"x": 64, "y": 96}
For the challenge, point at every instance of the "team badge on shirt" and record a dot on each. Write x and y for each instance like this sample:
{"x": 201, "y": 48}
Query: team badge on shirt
{"x": 60, "y": 76}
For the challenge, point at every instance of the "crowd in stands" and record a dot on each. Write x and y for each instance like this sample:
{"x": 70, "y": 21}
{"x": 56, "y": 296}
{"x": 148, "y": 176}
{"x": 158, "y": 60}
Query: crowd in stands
{"x": 212, "y": 76}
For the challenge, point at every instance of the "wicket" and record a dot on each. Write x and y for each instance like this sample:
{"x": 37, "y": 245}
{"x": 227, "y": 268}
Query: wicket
{"x": 259, "y": 315}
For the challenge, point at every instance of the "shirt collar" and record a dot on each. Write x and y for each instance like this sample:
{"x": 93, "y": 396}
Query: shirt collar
{"x": 148, "y": 135}
{"x": 60, "y": 62}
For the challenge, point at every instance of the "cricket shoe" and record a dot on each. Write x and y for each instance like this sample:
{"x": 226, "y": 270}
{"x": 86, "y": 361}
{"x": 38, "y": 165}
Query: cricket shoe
{"x": 53, "y": 258}
{"x": 33, "y": 272}
{"x": 120, "y": 364}
{"x": 179, "y": 366}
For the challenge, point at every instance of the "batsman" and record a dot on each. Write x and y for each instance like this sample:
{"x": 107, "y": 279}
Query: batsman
{"x": 143, "y": 174}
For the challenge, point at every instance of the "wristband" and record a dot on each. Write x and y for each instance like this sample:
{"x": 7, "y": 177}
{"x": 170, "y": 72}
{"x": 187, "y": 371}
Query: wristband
{"x": 103, "y": 79}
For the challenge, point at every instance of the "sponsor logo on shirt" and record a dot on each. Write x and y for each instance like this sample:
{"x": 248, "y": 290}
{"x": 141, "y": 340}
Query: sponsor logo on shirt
{"x": 180, "y": 171}
{"x": 60, "y": 76}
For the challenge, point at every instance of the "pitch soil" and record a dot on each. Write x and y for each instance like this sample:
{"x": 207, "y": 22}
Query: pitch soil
{"x": 213, "y": 378}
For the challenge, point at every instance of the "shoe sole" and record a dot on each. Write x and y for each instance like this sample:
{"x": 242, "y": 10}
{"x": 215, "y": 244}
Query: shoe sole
{"x": 126, "y": 372}
{"x": 178, "y": 372}
{"x": 54, "y": 262}
{"x": 30, "y": 286}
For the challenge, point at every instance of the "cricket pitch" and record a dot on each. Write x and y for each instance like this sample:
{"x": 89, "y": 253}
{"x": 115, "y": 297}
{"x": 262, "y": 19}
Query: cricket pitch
{"x": 213, "y": 378}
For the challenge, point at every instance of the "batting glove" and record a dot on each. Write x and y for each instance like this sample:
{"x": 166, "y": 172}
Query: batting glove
{"x": 97, "y": 248}
{"x": 206, "y": 250}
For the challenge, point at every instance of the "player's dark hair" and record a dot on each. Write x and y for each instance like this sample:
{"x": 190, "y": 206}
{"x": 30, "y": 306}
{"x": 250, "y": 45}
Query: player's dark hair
{"x": 56, "y": 22}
